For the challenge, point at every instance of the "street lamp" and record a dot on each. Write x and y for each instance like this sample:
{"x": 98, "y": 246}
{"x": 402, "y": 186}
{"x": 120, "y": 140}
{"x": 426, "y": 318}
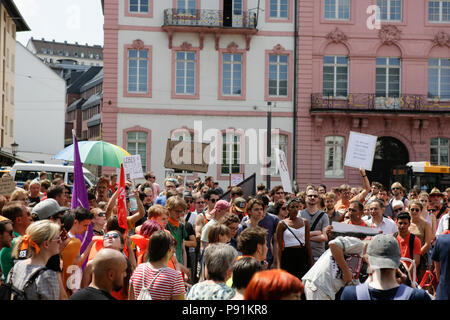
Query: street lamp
{"x": 14, "y": 147}
{"x": 269, "y": 142}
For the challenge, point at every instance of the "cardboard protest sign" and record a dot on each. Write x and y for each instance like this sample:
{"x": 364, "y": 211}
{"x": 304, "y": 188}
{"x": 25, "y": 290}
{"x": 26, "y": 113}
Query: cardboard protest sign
{"x": 132, "y": 166}
{"x": 360, "y": 150}
{"x": 188, "y": 156}
{"x": 7, "y": 185}
{"x": 282, "y": 167}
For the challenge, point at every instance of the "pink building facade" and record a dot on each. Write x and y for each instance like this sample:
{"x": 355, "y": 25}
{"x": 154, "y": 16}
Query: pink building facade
{"x": 392, "y": 82}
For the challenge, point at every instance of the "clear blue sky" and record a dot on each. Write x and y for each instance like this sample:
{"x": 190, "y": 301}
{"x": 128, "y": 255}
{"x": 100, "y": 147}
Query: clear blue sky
{"x": 62, "y": 20}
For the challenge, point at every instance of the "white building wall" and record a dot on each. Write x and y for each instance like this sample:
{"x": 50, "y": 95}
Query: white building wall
{"x": 39, "y": 106}
{"x": 161, "y": 124}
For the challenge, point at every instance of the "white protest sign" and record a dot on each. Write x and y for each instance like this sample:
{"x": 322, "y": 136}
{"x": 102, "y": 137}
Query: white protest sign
{"x": 360, "y": 150}
{"x": 281, "y": 166}
{"x": 236, "y": 178}
{"x": 133, "y": 167}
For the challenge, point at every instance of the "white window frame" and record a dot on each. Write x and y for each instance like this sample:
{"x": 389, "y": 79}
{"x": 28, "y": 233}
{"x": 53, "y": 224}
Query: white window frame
{"x": 279, "y": 141}
{"x": 185, "y": 62}
{"x": 439, "y": 149}
{"x": 231, "y": 143}
{"x": 441, "y": 2}
{"x": 388, "y": 10}
{"x": 439, "y": 67}
{"x": 335, "y": 65}
{"x": 136, "y": 140}
{"x": 337, "y": 5}
{"x": 278, "y": 64}
{"x": 139, "y": 5}
{"x": 337, "y": 147}
{"x": 388, "y": 67}
{"x": 278, "y": 11}
{"x": 139, "y": 61}
{"x": 232, "y": 64}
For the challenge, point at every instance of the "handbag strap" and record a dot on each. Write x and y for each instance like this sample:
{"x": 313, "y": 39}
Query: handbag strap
{"x": 317, "y": 220}
{"x": 153, "y": 281}
{"x": 301, "y": 243}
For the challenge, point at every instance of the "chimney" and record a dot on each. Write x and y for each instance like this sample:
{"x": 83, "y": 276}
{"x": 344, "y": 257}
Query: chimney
{"x": 53, "y": 40}
{"x": 43, "y": 39}
{"x": 65, "y": 41}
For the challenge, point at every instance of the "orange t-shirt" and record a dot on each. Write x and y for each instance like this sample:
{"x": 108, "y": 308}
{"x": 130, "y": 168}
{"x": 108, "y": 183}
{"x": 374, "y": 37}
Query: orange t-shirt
{"x": 362, "y": 224}
{"x": 404, "y": 247}
{"x": 69, "y": 255}
{"x": 341, "y": 205}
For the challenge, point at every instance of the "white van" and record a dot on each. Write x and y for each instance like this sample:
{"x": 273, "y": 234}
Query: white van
{"x": 21, "y": 172}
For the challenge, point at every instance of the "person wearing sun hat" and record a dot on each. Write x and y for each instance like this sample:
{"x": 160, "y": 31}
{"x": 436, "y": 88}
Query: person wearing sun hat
{"x": 437, "y": 200}
{"x": 221, "y": 208}
{"x": 383, "y": 253}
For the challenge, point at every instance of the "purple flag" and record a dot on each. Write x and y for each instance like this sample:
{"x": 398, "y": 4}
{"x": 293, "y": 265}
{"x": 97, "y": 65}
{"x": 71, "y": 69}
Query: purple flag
{"x": 79, "y": 194}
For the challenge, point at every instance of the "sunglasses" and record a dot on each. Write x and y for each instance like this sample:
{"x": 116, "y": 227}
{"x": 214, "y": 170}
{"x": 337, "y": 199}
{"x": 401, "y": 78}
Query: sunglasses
{"x": 153, "y": 177}
{"x": 111, "y": 235}
{"x": 395, "y": 188}
{"x": 283, "y": 208}
{"x": 213, "y": 200}
{"x": 414, "y": 210}
{"x": 200, "y": 202}
{"x": 398, "y": 210}
{"x": 432, "y": 210}
{"x": 189, "y": 201}
{"x": 312, "y": 196}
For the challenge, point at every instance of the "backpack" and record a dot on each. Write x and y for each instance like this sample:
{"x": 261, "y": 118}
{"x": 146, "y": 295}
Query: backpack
{"x": 144, "y": 294}
{"x": 9, "y": 292}
{"x": 411, "y": 243}
{"x": 403, "y": 292}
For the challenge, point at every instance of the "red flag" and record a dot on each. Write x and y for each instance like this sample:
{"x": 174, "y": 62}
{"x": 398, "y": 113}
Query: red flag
{"x": 121, "y": 201}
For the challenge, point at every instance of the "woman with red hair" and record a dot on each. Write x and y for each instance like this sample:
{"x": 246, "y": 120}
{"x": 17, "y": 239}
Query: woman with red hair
{"x": 274, "y": 284}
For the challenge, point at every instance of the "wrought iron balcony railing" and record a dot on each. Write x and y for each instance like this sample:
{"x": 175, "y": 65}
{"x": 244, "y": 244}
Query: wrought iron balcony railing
{"x": 209, "y": 18}
{"x": 370, "y": 102}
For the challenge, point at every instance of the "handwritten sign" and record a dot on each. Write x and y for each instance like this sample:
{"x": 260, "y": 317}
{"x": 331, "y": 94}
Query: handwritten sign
{"x": 360, "y": 150}
{"x": 281, "y": 164}
{"x": 7, "y": 185}
{"x": 236, "y": 178}
{"x": 133, "y": 167}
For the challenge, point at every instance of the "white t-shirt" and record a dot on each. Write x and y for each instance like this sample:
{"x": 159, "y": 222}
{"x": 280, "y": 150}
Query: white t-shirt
{"x": 388, "y": 226}
{"x": 443, "y": 224}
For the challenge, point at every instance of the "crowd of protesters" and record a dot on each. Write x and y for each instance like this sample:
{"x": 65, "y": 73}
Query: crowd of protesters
{"x": 184, "y": 241}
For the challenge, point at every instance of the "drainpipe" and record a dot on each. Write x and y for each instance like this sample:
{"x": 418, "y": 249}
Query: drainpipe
{"x": 294, "y": 140}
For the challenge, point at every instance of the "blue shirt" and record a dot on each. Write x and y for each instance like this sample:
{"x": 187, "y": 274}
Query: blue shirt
{"x": 441, "y": 254}
{"x": 270, "y": 223}
{"x": 161, "y": 200}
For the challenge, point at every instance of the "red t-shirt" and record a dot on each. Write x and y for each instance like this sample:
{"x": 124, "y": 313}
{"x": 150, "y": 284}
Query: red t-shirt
{"x": 404, "y": 247}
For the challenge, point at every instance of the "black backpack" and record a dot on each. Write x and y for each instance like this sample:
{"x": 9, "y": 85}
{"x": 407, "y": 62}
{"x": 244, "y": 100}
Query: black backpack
{"x": 411, "y": 244}
{"x": 9, "y": 292}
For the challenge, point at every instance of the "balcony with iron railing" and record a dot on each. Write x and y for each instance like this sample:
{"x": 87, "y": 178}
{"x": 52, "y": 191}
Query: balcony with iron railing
{"x": 210, "y": 18}
{"x": 204, "y": 21}
{"x": 371, "y": 103}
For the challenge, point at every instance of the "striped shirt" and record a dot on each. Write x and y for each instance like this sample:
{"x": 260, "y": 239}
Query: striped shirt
{"x": 168, "y": 283}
